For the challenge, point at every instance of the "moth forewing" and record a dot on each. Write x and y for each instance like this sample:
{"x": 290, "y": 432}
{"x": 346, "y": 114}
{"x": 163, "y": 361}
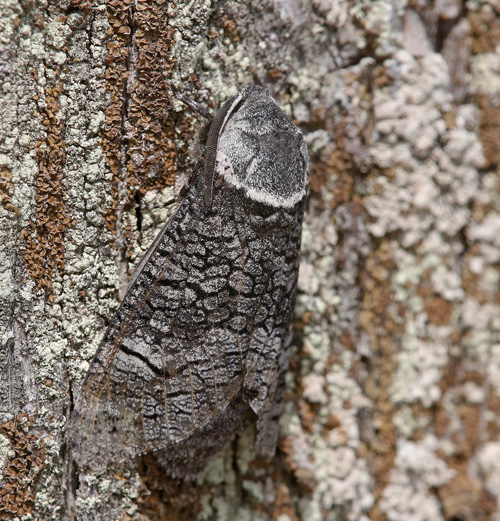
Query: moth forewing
{"x": 200, "y": 341}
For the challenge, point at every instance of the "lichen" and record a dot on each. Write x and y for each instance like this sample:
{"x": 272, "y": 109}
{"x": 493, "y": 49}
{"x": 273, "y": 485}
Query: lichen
{"x": 417, "y": 469}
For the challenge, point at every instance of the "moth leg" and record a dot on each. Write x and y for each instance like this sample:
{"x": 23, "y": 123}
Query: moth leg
{"x": 184, "y": 189}
{"x": 268, "y": 417}
{"x": 186, "y": 186}
{"x": 200, "y": 109}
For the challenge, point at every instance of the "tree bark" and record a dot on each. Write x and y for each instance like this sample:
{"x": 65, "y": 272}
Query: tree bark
{"x": 393, "y": 401}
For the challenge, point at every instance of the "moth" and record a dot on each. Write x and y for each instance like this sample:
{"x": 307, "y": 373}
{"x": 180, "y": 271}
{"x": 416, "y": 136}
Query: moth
{"x": 200, "y": 341}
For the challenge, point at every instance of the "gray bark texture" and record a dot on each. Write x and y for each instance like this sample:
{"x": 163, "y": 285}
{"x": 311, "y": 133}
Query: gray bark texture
{"x": 393, "y": 394}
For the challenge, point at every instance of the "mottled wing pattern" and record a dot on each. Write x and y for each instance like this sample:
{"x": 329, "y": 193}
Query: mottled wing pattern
{"x": 209, "y": 310}
{"x": 267, "y": 356}
{"x": 169, "y": 360}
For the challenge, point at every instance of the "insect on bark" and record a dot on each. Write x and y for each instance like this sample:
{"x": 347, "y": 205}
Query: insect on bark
{"x": 200, "y": 341}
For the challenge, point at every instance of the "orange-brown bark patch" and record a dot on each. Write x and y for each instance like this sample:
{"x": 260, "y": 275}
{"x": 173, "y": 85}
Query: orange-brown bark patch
{"x": 165, "y": 498}
{"x": 438, "y": 311}
{"x": 6, "y": 189}
{"x": 283, "y": 504}
{"x": 489, "y": 130}
{"x": 230, "y": 28}
{"x": 44, "y": 254}
{"x": 140, "y": 125}
{"x": 485, "y": 24}
{"x": 464, "y": 498}
{"x": 22, "y": 469}
{"x": 471, "y": 282}
{"x": 377, "y": 319}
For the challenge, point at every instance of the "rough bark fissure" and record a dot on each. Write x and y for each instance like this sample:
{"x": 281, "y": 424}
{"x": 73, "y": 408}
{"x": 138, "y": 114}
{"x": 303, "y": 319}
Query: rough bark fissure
{"x": 392, "y": 396}
{"x": 122, "y": 188}
{"x": 27, "y": 369}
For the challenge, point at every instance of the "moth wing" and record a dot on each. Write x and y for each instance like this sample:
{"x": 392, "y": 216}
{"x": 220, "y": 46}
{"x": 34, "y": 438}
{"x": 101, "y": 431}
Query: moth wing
{"x": 166, "y": 366}
{"x": 268, "y": 352}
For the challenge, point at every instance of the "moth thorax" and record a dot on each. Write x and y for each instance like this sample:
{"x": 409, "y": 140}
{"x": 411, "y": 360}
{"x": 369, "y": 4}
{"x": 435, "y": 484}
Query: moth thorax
{"x": 266, "y": 157}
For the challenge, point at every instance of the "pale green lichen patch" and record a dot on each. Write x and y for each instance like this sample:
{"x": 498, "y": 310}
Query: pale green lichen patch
{"x": 417, "y": 469}
{"x": 94, "y": 489}
{"x": 6, "y": 452}
{"x": 155, "y": 212}
{"x": 406, "y": 422}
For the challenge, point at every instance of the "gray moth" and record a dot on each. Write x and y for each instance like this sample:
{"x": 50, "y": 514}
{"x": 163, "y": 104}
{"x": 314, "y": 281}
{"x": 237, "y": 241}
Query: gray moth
{"x": 200, "y": 341}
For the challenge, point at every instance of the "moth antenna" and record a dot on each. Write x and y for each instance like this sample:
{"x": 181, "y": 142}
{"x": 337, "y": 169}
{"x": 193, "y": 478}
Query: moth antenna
{"x": 214, "y": 132}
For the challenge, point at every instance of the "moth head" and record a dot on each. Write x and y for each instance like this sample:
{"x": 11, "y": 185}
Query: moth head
{"x": 261, "y": 151}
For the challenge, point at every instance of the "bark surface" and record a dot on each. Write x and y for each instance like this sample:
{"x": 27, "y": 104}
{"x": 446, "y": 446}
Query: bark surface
{"x": 393, "y": 401}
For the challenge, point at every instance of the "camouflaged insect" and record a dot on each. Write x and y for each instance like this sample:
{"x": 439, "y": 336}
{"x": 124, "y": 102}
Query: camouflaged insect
{"x": 200, "y": 341}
